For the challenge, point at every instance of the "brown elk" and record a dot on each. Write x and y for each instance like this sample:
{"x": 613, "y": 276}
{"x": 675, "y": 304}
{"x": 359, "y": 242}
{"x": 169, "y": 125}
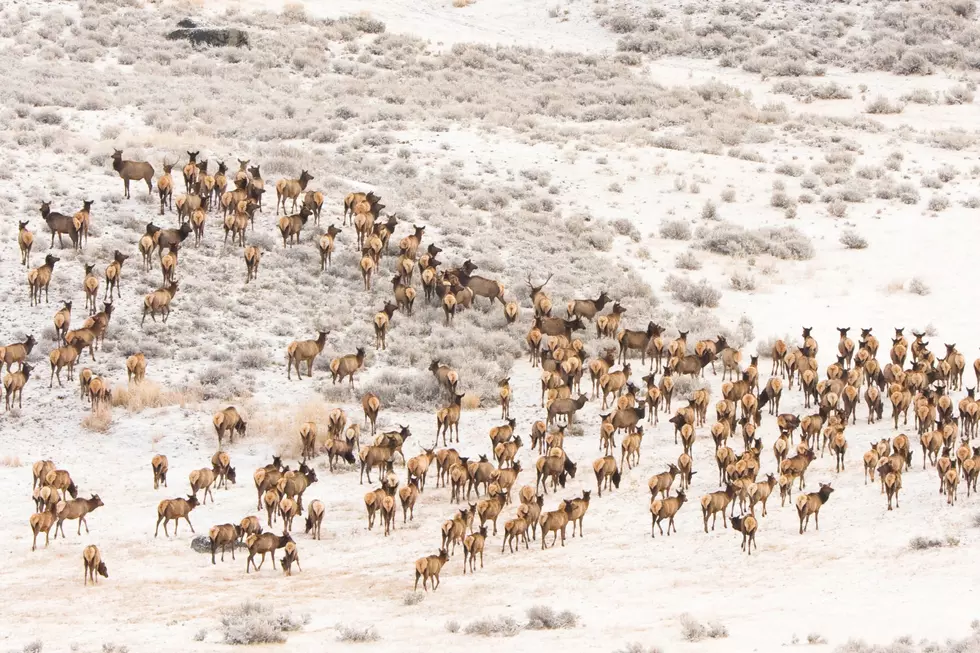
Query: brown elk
{"x": 607, "y": 326}
{"x": 59, "y": 224}
{"x": 810, "y": 504}
{"x": 290, "y": 226}
{"x": 637, "y": 340}
{"x": 132, "y": 171}
{"x": 587, "y": 308}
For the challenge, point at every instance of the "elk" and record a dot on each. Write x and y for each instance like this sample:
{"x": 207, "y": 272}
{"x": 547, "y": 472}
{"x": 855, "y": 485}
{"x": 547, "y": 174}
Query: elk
{"x": 41, "y": 522}
{"x": 224, "y": 535}
{"x": 256, "y": 187}
{"x": 160, "y": 465}
{"x": 557, "y": 521}
{"x": 607, "y": 473}
{"x": 481, "y": 286}
{"x": 25, "y": 240}
{"x": 93, "y": 564}
{"x": 253, "y": 255}
{"x": 76, "y": 509}
{"x": 132, "y": 171}
{"x": 607, "y": 326}
{"x": 290, "y": 226}
{"x": 59, "y": 224}
{"x": 353, "y": 201}
{"x": 190, "y": 170}
{"x": 228, "y": 421}
{"x": 447, "y": 419}
{"x": 113, "y": 273}
{"x": 404, "y": 294}
{"x": 587, "y": 308}
{"x": 347, "y": 366}
{"x": 158, "y": 301}
{"x": 313, "y": 200}
{"x": 629, "y": 339}
{"x": 291, "y": 189}
{"x": 428, "y": 569}
{"x": 304, "y": 351}
{"x": 447, "y": 377}
{"x": 90, "y": 284}
{"x": 326, "y": 244}
{"x": 539, "y": 299}
{"x": 612, "y": 383}
{"x": 565, "y": 407}
{"x": 40, "y": 278}
{"x": 265, "y": 543}
{"x": 367, "y": 266}
{"x": 82, "y": 220}
{"x": 661, "y": 509}
{"x": 13, "y": 385}
{"x": 810, "y": 504}
{"x": 557, "y": 468}
{"x": 62, "y": 320}
{"x": 661, "y": 483}
{"x": 490, "y": 508}
{"x": 748, "y": 526}
{"x": 715, "y": 502}
{"x": 64, "y": 357}
{"x": 220, "y": 184}
{"x": 409, "y": 245}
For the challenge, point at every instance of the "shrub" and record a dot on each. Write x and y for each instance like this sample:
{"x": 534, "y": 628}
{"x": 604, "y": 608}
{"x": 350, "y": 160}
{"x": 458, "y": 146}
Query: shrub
{"x": 837, "y": 208}
{"x": 709, "y": 211}
{"x": 918, "y": 287}
{"x": 780, "y": 199}
{"x": 815, "y": 638}
{"x": 938, "y": 202}
{"x": 699, "y": 294}
{"x": 929, "y": 181}
{"x": 882, "y": 105}
{"x": 487, "y": 627}
{"x": 742, "y": 282}
{"x": 693, "y": 630}
{"x": 202, "y": 634}
{"x": 452, "y": 626}
{"x": 908, "y": 193}
{"x": 625, "y": 227}
{"x": 728, "y": 195}
{"x": 413, "y": 598}
{"x": 972, "y": 202}
{"x": 958, "y": 95}
{"x": 789, "y": 169}
{"x": 364, "y": 23}
{"x": 786, "y": 243}
{"x": 946, "y": 173}
{"x": 922, "y": 543}
{"x": 357, "y": 635}
{"x": 33, "y": 647}
{"x": 255, "y": 623}
{"x": 98, "y": 419}
{"x": 615, "y": 188}
{"x": 687, "y": 261}
{"x": 542, "y": 617}
{"x": 675, "y": 230}
{"x": 636, "y": 647}
{"x": 852, "y": 240}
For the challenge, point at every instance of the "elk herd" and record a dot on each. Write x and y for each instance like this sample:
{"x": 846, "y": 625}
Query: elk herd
{"x": 631, "y": 396}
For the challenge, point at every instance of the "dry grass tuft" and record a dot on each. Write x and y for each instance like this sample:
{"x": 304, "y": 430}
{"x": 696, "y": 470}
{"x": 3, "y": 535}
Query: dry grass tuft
{"x": 98, "y": 420}
{"x": 282, "y": 428}
{"x": 10, "y": 461}
{"x": 137, "y": 397}
{"x": 470, "y": 401}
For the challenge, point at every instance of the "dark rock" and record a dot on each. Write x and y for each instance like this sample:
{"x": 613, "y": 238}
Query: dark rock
{"x": 187, "y": 22}
{"x": 211, "y": 36}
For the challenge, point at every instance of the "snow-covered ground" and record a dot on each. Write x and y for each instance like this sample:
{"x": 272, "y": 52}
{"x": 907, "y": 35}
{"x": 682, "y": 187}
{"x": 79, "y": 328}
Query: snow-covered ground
{"x": 855, "y": 578}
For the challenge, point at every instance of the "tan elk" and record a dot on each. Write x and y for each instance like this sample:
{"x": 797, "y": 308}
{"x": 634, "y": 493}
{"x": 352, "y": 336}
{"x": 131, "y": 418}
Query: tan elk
{"x": 304, "y": 351}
